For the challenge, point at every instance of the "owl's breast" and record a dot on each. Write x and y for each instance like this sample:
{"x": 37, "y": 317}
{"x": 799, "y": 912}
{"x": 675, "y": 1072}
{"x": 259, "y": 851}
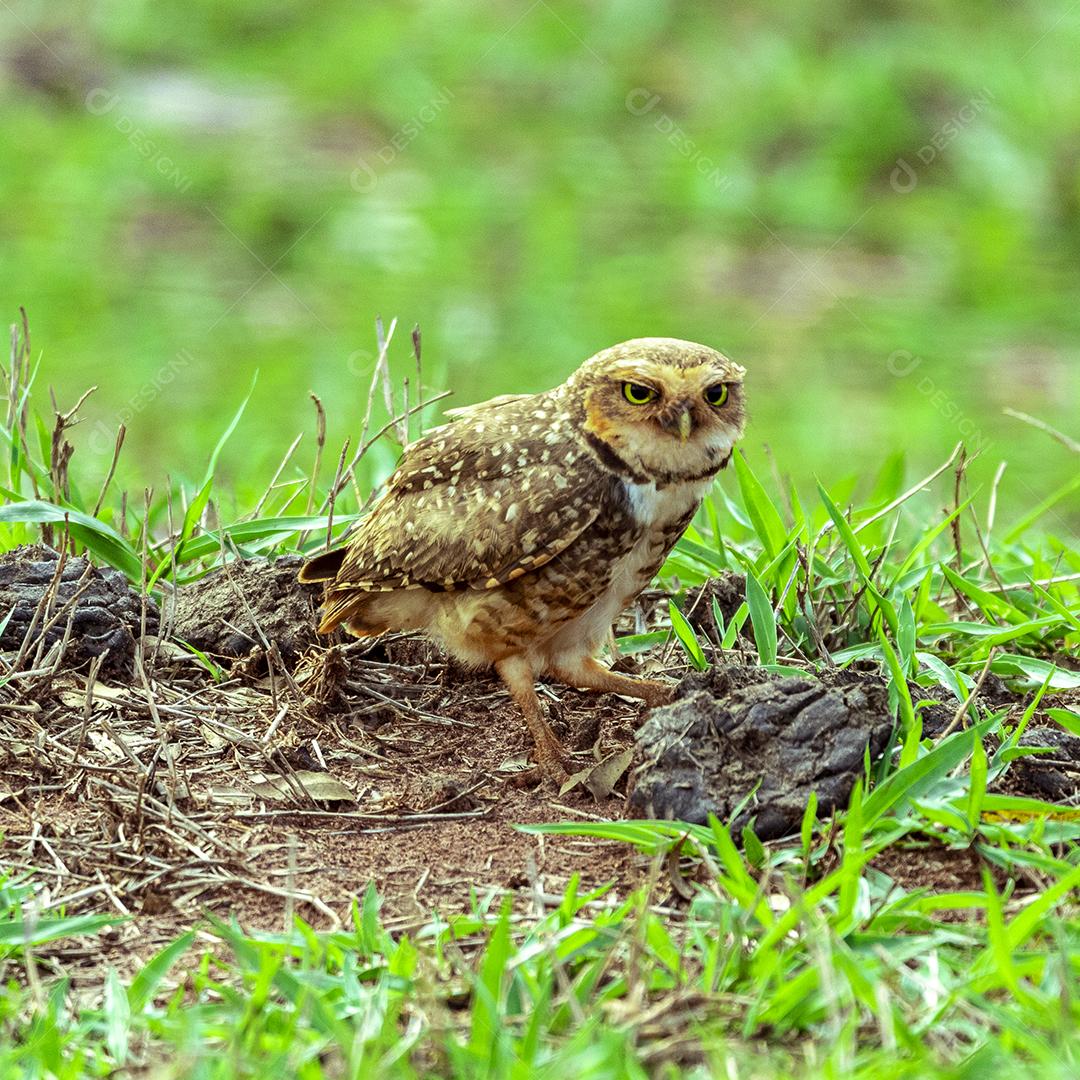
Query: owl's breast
{"x": 565, "y": 608}
{"x": 621, "y": 566}
{"x": 662, "y": 515}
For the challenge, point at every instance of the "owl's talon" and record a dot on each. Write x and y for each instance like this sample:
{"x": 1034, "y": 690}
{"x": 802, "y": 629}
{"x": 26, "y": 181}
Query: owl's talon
{"x": 553, "y": 762}
{"x": 538, "y": 774}
{"x": 664, "y": 694}
{"x": 555, "y": 767}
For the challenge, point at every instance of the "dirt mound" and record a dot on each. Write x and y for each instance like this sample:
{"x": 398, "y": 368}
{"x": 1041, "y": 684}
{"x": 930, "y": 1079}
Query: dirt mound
{"x": 97, "y": 603}
{"x": 736, "y": 728}
{"x": 247, "y": 606}
{"x": 284, "y": 789}
{"x": 1053, "y": 775}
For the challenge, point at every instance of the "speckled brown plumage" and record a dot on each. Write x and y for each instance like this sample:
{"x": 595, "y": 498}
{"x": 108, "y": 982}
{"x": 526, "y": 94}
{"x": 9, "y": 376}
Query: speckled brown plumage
{"x": 516, "y": 533}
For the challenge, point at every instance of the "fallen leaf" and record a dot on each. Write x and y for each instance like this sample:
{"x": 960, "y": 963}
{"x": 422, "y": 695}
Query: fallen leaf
{"x": 100, "y": 741}
{"x": 170, "y": 649}
{"x": 600, "y": 779}
{"x": 163, "y": 790}
{"x": 75, "y": 698}
{"x": 319, "y": 786}
{"x": 218, "y": 734}
{"x": 212, "y": 737}
{"x": 229, "y": 795}
{"x": 675, "y": 874}
{"x": 576, "y": 780}
{"x": 514, "y": 764}
{"x": 603, "y": 777}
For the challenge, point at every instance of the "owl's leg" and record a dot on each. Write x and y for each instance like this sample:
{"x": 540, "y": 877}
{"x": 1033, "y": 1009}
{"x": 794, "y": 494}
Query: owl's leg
{"x": 520, "y": 679}
{"x": 588, "y": 673}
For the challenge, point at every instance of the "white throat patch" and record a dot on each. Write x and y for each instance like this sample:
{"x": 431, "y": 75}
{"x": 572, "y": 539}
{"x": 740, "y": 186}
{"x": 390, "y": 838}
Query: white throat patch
{"x": 652, "y": 506}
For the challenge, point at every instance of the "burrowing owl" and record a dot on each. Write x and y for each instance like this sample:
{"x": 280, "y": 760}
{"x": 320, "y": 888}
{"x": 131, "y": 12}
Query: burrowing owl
{"x": 515, "y": 534}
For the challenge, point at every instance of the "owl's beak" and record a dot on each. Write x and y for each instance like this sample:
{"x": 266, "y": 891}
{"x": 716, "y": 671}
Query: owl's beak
{"x": 685, "y": 424}
{"x": 678, "y": 420}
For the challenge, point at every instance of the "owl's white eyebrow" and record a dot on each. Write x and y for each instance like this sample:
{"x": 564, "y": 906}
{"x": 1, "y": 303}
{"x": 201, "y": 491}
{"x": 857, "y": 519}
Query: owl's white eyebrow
{"x": 636, "y": 374}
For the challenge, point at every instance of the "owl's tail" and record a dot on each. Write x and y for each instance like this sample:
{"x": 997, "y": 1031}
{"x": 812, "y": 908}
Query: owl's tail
{"x": 364, "y": 612}
{"x": 322, "y": 567}
{"x": 356, "y": 610}
{"x": 339, "y": 606}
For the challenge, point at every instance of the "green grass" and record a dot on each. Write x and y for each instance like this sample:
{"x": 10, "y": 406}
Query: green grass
{"x": 807, "y": 960}
{"x": 545, "y": 211}
{"x": 798, "y": 956}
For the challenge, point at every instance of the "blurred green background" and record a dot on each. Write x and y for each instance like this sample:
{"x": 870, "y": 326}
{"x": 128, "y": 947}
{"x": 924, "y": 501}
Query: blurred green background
{"x": 873, "y": 206}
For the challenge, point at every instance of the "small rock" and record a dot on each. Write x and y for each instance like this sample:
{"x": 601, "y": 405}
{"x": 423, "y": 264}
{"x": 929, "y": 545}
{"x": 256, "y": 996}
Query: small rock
{"x": 733, "y": 728}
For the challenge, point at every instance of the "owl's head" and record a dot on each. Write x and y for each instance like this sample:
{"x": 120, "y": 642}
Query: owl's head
{"x": 665, "y": 407}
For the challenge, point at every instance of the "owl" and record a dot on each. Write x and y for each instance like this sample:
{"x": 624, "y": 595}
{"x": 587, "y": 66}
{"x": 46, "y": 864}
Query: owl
{"x": 515, "y": 534}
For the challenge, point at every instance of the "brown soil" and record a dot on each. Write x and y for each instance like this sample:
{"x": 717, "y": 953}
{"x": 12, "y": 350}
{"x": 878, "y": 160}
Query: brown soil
{"x": 287, "y": 787}
{"x": 1053, "y": 773}
{"x": 315, "y": 768}
{"x": 430, "y": 815}
{"x": 933, "y": 867}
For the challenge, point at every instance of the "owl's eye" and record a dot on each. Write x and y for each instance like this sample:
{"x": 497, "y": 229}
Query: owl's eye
{"x": 717, "y": 395}
{"x": 638, "y": 394}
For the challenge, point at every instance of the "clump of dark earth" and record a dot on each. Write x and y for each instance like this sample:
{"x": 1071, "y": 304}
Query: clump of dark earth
{"x": 104, "y": 611}
{"x": 247, "y": 605}
{"x": 938, "y": 715}
{"x": 1054, "y": 775}
{"x": 734, "y": 728}
{"x": 729, "y": 592}
{"x": 936, "y": 704}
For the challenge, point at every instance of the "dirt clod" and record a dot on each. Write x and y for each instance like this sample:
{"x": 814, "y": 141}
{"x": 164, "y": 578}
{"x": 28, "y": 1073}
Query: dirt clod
{"x": 736, "y": 727}
{"x": 1053, "y": 774}
{"x": 104, "y": 611}
{"x": 728, "y": 590}
{"x": 245, "y": 606}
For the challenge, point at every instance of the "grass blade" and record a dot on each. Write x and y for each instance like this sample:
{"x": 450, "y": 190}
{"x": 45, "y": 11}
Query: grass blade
{"x": 687, "y": 638}
{"x": 913, "y": 780}
{"x": 768, "y": 525}
{"x": 101, "y": 539}
{"x": 762, "y": 619}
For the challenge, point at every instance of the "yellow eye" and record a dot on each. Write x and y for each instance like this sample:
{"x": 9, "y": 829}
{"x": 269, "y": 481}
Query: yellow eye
{"x": 717, "y": 395}
{"x": 638, "y": 394}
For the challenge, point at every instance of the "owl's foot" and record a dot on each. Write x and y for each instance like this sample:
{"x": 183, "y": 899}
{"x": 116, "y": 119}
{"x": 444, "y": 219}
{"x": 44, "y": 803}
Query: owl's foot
{"x": 590, "y": 674}
{"x": 557, "y": 769}
{"x": 553, "y": 760}
{"x": 553, "y": 764}
{"x": 652, "y": 691}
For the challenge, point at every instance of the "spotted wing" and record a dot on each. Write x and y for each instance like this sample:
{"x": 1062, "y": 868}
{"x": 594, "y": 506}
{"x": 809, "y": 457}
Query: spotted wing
{"x": 466, "y": 509}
